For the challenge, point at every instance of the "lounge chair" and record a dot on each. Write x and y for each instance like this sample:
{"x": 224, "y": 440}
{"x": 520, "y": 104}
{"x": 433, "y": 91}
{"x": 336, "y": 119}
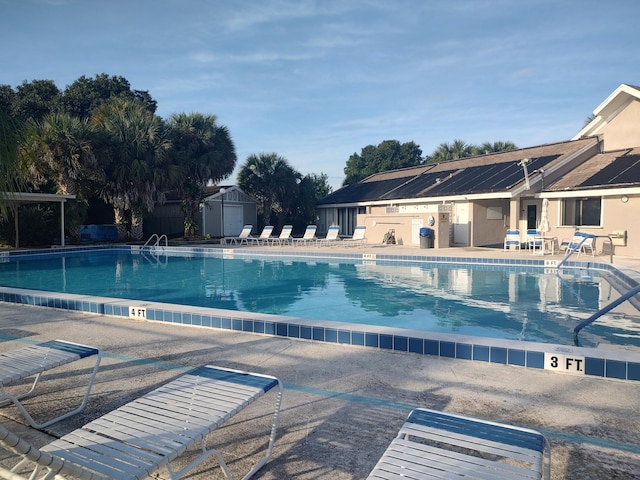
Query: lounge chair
{"x": 147, "y": 434}
{"x": 512, "y": 239}
{"x": 284, "y": 237}
{"x": 308, "y": 237}
{"x": 33, "y": 361}
{"x": 331, "y": 237}
{"x": 434, "y": 444}
{"x": 244, "y": 236}
{"x": 358, "y": 238}
{"x": 580, "y": 243}
{"x": 264, "y": 236}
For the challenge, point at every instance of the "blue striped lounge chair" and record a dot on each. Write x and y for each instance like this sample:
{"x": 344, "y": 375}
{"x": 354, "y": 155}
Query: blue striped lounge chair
{"x": 35, "y": 360}
{"x": 331, "y": 238}
{"x": 308, "y": 237}
{"x": 433, "y": 444}
{"x": 284, "y": 237}
{"x": 144, "y": 436}
{"x": 244, "y": 236}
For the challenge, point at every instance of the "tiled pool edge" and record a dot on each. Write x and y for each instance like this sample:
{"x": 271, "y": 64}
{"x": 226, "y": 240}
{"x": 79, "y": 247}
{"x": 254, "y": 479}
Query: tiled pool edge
{"x": 612, "y": 364}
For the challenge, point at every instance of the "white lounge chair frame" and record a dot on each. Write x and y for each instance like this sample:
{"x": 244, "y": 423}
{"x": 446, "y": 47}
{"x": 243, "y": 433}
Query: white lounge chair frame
{"x": 434, "y": 444}
{"x": 139, "y": 438}
{"x": 308, "y": 237}
{"x": 331, "y": 238}
{"x": 284, "y": 237}
{"x": 358, "y": 238}
{"x": 33, "y": 361}
{"x": 580, "y": 243}
{"x": 264, "y": 236}
{"x": 244, "y": 236}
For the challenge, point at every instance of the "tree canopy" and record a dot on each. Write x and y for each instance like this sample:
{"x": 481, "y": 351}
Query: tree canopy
{"x": 388, "y": 155}
{"x": 100, "y": 139}
{"x": 281, "y": 190}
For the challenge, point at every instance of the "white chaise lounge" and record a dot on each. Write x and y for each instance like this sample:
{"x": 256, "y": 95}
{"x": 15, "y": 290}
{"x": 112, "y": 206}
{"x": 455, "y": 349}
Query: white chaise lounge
{"x": 433, "y": 444}
{"x": 147, "y": 434}
{"x": 33, "y": 361}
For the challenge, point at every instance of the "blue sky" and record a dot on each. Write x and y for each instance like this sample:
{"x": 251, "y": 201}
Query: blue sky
{"x": 316, "y": 81}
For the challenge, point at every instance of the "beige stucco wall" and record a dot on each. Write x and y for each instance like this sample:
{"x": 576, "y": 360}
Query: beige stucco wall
{"x": 616, "y": 216}
{"x": 623, "y": 131}
{"x": 486, "y": 227}
{"x": 379, "y": 221}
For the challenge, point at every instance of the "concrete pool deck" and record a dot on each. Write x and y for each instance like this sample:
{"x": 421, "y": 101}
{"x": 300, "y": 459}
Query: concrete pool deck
{"x": 342, "y": 404}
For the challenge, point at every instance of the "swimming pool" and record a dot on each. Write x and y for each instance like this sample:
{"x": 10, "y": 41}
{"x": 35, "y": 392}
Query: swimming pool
{"x": 494, "y": 301}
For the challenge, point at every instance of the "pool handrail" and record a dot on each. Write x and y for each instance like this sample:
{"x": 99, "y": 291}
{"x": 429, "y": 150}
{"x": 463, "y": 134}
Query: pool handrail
{"x": 602, "y": 311}
{"x": 158, "y": 239}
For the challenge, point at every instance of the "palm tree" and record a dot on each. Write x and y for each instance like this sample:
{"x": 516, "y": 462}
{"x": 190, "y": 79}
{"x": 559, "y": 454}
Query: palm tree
{"x": 202, "y": 152}
{"x": 60, "y": 148}
{"x": 452, "y": 151}
{"x": 132, "y": 154}
{"x": 11, "y": 174}
{"x": 495, "y": 147}
{"x": 271, "y": 180}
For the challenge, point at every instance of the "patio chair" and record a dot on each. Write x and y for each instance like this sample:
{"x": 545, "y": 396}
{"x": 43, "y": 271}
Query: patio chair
{"x": 434, "y": 444}
{"x": 512, "y": 238}
{"x": 284, "y": 237}
{"x": 580, "y": 243}
{"x": 147, "y": 434}
{"x": 264, "y": 236}
{"x": 358, "y": 238}
{"x": 33, "y": 361}
{"x": 331, "y": 237}
{"x": 534, "y": 242}
{"x": 308, "y": 237}
{"x": 244, "y": 236}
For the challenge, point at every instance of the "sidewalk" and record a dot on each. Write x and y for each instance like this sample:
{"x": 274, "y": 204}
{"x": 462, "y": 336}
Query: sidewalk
{"x": 342, "y": 404}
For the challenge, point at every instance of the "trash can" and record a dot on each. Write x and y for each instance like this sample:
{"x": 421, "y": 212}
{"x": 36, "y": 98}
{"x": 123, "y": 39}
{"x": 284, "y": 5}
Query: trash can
{"x": 426, "y": 237}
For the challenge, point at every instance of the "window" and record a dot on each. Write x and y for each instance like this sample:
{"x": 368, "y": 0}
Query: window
{"x": 581, "y": 212}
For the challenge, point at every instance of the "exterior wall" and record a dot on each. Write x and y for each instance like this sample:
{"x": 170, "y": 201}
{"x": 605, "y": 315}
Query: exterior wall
{"x": 406, "y": 222}
{"x": 166, "y": 219}
{"x": 623, "y": 131}
{"x": 490, "y": 221}
{"x": 616, "y": 216}
{"x": 236, "y": 203}
{"x": 619, "y": 216}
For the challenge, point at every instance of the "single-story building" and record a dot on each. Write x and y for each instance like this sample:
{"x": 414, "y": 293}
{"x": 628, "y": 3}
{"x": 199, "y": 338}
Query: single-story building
{"x": 592, "y": 183}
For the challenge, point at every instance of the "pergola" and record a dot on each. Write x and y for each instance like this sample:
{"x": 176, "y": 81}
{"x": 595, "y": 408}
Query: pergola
{"x": 20, "y": 198}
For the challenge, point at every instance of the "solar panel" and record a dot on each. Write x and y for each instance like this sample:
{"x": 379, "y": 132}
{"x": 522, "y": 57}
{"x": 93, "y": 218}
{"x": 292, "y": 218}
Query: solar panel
{"x": 415, "y": 187}
{"x": 623, "y": 170}
{"x": 489, "y": 178}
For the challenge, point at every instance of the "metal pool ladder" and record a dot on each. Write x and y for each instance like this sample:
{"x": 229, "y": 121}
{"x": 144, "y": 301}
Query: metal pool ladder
{"x": 157, "y": 239}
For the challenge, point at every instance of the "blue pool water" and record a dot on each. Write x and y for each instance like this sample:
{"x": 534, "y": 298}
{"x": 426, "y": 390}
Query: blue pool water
{"x": 499, "y": 302}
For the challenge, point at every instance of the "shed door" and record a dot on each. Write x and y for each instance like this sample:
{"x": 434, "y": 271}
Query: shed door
{"x": 233, "y": 220}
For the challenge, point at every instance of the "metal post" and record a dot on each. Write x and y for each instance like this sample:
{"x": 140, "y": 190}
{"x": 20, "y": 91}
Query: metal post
{"x": 222, "y": 192}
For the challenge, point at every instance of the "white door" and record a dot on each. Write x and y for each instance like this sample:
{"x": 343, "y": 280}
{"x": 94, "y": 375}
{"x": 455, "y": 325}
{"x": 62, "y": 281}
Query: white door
{"x": 416, "y": 225}
{"x": 461, "y": 225}
{"x": 233, "y": 220}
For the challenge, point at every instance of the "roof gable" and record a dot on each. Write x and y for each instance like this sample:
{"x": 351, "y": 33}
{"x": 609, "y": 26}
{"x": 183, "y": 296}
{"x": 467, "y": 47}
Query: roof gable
{"x": 609, "y": 108}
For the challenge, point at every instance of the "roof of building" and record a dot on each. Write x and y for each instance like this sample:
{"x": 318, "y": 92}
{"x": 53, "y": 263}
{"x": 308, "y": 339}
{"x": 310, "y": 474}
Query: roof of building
{"x": 496, "y": 172}
{"x": 615, "y": 169}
